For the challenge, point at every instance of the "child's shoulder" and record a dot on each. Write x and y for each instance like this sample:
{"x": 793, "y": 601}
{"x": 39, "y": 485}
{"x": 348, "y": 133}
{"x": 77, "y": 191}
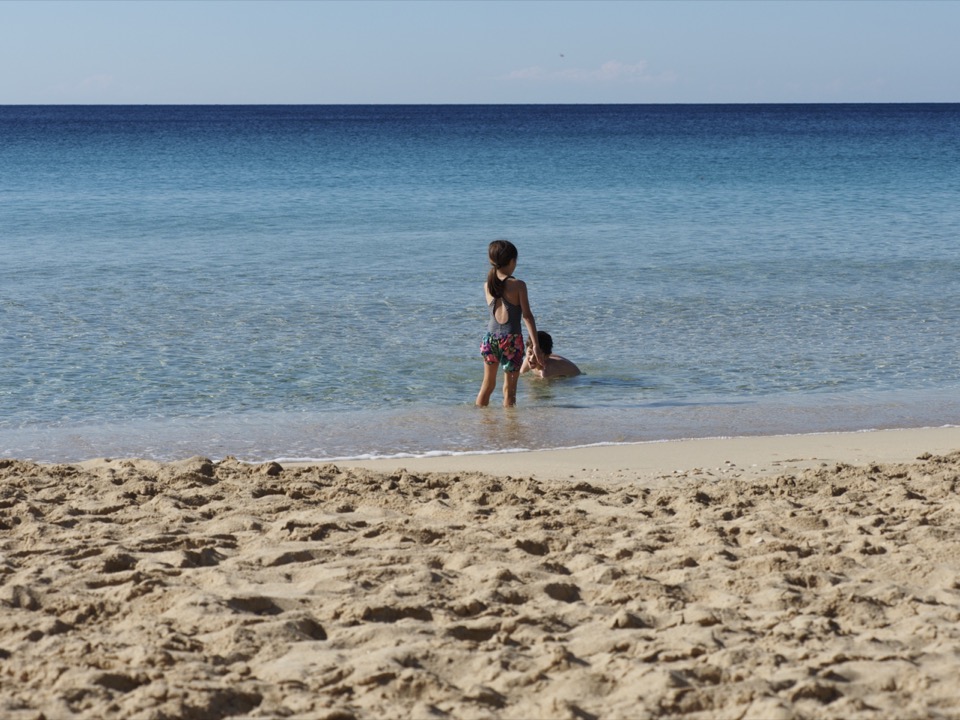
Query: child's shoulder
{"x": 514, "y": 289}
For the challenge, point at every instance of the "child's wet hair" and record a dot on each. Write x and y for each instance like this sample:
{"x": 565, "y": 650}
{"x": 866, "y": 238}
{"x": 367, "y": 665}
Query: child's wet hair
{"x": 546, "y": 342}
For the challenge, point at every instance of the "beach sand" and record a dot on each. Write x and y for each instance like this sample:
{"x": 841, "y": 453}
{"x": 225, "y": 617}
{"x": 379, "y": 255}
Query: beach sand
{"x": 794, "y": 577}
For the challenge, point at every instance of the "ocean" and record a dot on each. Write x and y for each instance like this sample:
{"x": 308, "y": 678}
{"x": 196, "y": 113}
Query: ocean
{"x": 305, "y": 282}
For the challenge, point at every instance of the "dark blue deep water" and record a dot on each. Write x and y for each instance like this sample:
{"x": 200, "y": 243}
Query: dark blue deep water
{"x": 279, "y": 282}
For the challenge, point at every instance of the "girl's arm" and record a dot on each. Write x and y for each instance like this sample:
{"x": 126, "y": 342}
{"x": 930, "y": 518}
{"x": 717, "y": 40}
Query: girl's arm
{"x": 531, "y": 322}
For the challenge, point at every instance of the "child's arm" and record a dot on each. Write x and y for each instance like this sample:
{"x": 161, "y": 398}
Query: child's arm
{"x": 528, "y": 367}
{"x": 531, "y": 322}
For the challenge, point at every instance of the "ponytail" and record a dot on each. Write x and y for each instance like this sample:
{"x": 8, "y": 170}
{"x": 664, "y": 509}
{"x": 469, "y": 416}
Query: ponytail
{"x": 501, "y": 252}
{"x": 494, "y": 283}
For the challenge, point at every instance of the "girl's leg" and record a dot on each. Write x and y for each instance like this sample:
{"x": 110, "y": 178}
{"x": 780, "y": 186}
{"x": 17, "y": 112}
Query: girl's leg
{"x": 489, "y": 384}
{"x": 510, "y": 388}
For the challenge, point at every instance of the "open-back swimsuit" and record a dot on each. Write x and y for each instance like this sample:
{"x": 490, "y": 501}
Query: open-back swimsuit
{"x": 503, "y": 342}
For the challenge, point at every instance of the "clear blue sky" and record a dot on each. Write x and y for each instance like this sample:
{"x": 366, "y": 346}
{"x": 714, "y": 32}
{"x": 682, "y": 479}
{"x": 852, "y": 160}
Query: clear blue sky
{"x": 487, "y": 51}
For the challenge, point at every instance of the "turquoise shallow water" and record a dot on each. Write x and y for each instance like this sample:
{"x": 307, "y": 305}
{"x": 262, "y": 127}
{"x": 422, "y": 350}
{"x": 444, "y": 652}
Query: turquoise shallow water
{"x": 305, "y": 281}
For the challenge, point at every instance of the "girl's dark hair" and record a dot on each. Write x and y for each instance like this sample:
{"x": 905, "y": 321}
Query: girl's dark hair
{"x": 501, "y": 252}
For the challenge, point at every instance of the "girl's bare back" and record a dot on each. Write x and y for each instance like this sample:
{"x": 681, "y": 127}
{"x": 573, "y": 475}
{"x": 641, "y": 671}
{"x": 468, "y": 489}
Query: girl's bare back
{"x": 511, "y": 293}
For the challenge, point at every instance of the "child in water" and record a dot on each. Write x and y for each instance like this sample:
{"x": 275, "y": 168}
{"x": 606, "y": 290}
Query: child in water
{"x": 503, "y": 344}
{"x": 556, "y": 366}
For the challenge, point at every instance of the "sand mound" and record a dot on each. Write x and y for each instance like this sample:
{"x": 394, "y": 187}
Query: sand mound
{"x": 131, "y": 589}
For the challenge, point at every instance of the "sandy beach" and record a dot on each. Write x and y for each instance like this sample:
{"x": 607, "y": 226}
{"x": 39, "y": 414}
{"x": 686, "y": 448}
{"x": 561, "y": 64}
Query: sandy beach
{"x": 808, "y": 576}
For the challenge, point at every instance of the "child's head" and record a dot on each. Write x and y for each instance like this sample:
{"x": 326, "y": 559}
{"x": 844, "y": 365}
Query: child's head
{"x": 501, "y": 253}
{"x": 546, "y": 345}
{"x": 546, "y": 342}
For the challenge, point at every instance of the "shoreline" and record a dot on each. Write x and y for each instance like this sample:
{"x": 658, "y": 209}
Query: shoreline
{"x": 753, "y": 456}
{"x": 740, "y": 456}
{"x": 424, "y": 433}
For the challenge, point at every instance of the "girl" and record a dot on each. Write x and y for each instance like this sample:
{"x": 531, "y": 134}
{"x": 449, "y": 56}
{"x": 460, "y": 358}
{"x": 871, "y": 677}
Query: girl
{"x": 503, "y": 343}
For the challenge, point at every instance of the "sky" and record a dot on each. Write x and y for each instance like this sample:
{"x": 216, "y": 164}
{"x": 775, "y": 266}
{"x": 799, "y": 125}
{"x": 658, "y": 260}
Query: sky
{"x": 477, "y": 51}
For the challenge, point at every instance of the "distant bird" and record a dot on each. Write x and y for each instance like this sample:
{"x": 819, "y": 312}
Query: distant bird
{"x": 562, "y": 55}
